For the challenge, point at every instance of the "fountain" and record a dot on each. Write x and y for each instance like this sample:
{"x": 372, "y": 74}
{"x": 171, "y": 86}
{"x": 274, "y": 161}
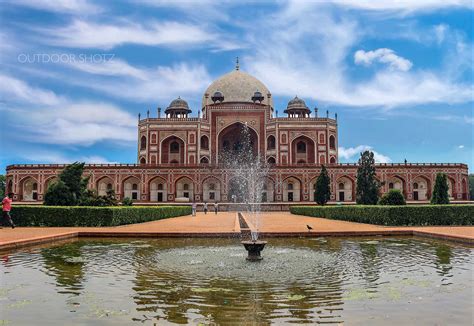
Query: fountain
{"x": 253, "y": 246}
{"x": 249, "y": 172}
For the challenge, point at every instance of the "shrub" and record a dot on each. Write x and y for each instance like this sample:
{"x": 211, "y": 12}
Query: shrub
{"x": 393, "y": 215}
{"x": 92, "y": 216}
{"x": 127, "y": 201}
{"x": 393, "y": 197}
{"x": 91, "y": 198}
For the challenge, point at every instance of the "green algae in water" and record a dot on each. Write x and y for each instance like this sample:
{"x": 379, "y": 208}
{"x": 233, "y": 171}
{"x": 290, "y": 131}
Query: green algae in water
{"x": 295, "y": 297}
{"x": 359, "y": 294}
{"x": 19, "y": 304}
{"x": 206, "y": 290}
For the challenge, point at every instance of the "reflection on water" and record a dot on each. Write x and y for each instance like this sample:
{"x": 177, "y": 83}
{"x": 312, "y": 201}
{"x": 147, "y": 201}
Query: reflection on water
{"x": 208, "y": 281}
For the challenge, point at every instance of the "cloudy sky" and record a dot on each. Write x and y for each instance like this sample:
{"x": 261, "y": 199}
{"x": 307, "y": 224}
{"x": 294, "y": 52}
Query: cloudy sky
{"x": 75, "y": 74}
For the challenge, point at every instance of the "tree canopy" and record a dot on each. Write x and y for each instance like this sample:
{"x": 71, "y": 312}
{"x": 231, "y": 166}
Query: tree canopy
{"x": 367, "y": 184}
{"x": 322, "y": 192}
{"x": 70, "y": 189}
{"x": 440, "y": 191}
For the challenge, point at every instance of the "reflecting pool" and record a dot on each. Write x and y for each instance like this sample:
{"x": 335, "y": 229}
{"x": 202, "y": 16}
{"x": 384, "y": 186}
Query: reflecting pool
{"x": 351, "y": 281}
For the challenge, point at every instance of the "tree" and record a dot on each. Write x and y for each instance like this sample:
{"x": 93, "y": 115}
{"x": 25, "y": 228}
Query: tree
{"x": 3, "y": 184}
{"x": 471, "y": 186}
{"x": 71, "y": 188}
{"x": 322, "y": 192}
{"x": 440, "y": 191}
{"x": 72, "y": 177}
{"x": 393, "y": 197}
{"x": 58, "y": 194}
{"x": 367, "y": 185}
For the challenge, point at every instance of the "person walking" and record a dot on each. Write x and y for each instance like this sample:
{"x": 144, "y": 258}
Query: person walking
{"x": 205, "y": 207}
{"x": 6, "y": 208}
{"x": 216, "y": 207}
{"x": 193, "y": 208}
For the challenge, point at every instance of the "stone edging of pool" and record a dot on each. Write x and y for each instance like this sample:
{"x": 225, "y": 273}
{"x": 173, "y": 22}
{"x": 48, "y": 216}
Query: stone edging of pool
{"x": 77, "y": 234}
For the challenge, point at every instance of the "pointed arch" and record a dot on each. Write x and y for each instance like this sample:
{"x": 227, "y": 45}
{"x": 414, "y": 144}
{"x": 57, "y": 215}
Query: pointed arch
{"x": 211, "y": 189}
{"x": 421, "y": 186}
{"x": 292, "y": 187}
{"x": 29, "y": 188}
{"x": 345, "y": 188}
{"x": 131, "y": 186}
{"x": 302, "y": 150}
{"x": 184, "y": 187}
{"x": 158, "y": 188}
{"x": 173, "y": 149}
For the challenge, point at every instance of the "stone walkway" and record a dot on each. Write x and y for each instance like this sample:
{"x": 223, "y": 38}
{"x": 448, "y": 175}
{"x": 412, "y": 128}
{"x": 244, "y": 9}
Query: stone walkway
{"x": 225, "y": 224}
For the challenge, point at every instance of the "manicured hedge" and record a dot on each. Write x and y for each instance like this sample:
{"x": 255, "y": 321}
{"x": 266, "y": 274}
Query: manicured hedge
{"x": 92, "y": 216}
{"x": 393, "y": 215}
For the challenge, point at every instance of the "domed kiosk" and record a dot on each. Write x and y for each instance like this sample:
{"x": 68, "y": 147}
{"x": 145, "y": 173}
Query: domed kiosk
{"x": 178, "y": 108}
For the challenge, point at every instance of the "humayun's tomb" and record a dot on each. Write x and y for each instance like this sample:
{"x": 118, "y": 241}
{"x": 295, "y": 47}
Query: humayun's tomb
{"x": 178, "y": 155}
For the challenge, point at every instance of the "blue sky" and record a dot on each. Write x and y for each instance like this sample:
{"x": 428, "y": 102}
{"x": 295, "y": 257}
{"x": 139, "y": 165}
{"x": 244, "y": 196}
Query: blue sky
{"x": 75, "y": 74}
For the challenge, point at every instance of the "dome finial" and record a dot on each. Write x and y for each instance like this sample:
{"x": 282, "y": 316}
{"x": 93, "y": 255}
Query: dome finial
{"x": 237, "y": 65}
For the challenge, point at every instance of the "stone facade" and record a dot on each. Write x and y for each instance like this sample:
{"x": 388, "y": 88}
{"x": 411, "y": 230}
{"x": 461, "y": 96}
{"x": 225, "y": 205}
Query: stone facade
{"x": 178, "y": 156}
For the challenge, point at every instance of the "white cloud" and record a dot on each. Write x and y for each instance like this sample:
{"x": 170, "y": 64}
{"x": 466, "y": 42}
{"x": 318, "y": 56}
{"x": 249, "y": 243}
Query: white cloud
{"x": 87, "y": 34}
{"x": 145, "y": 84}
{"x": 351, "y": 152}
{"x": 19, "y": 91}
{"x": 406, "y": 6}
{"x": 81, "y": 124}
{"x": 440, "y": 32}
{"x": 461, "y": 146}
{"x": 60, "y": 6}
{"x": 45, "y": 117}
{"x": 55, "y": 157}
{"x": 324, "y": 74}
{"x": 114, "y": 67}
{"x": 382, "y": 55}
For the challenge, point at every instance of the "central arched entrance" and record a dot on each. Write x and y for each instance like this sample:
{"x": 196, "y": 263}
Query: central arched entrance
{"x": 232, "y": 139}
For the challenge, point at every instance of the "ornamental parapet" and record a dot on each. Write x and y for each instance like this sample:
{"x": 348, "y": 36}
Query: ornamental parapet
{"x": 223, "y": 166}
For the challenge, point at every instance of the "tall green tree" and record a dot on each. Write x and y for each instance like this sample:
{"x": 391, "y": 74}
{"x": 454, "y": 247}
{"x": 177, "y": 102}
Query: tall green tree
{"x": 322, "y": 192}
{"x": 72, "y": 178}
{"x": 58, "y": 194}
{"x": 471, "y": 186}
{"x": 367, "y": 184}
{"x": 70, "y": 189}
{"x": 3, "y": 184}
{"x": 440, "y": 191}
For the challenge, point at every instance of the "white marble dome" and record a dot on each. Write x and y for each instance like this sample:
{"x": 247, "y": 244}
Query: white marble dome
{"x": 237, "y": 86}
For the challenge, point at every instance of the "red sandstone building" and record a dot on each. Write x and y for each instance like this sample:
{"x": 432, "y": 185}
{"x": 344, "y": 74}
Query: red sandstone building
{"x": 178, "y": 155}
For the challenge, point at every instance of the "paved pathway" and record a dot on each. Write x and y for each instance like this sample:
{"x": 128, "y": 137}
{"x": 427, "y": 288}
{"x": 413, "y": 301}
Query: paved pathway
{"x": 226, "y": 224}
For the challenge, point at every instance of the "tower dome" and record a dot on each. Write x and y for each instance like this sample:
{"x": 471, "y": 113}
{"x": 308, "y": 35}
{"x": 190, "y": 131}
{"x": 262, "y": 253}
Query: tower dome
{"x": 237, "y": 86}
{"x": 297, "y": 107}
{"x": 178, "y": 108}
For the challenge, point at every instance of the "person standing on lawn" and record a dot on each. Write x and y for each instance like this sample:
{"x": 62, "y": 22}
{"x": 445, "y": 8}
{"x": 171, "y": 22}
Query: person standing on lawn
{"x": 216, "y": 207}
{"x": 205, "y": 207}
{"x": 194, "y": 207}
{"x": 6, "y": 208}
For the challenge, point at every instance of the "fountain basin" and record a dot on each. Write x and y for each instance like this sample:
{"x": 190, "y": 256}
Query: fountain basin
{"x": 254, "y": 249}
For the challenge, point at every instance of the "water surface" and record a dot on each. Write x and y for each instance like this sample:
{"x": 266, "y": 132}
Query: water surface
{"x": 350, "y": 281}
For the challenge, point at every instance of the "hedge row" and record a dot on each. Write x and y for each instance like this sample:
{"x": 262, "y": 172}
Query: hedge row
{"x": 92, "y": 216}
{"x": 393, "y": 215}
